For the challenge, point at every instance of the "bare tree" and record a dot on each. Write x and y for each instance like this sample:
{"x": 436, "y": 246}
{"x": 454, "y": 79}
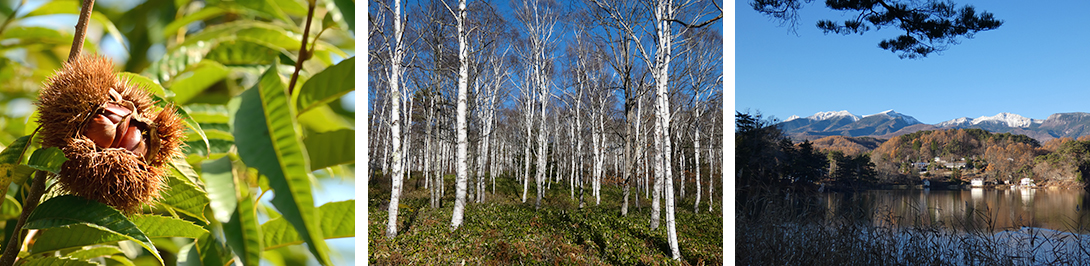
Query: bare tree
{"x": 461, "y": 153}
{"x": 396, "y": 156}
{"x": 538, "y": 19}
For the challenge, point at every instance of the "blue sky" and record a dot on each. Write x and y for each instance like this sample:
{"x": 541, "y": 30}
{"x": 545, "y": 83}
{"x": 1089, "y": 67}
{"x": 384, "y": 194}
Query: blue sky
{"x": 1036, "y": 64}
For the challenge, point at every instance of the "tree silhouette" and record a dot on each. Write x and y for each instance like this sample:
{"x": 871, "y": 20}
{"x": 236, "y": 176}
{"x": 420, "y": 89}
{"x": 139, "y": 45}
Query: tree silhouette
{"x": 928, "y": 27}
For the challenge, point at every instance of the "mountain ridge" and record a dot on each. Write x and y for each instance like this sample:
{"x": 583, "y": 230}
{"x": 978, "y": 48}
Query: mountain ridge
{"x": 889, "y": 124}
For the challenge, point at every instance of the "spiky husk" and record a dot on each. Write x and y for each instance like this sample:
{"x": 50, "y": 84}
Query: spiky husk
{"x": 113, "y": 176}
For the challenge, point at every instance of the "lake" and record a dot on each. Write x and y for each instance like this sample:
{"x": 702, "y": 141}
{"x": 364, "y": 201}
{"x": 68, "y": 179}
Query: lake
{"x": 978, "y": 208}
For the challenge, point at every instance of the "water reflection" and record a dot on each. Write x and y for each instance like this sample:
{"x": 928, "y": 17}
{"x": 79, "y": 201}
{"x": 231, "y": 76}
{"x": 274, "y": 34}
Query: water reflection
{"x": 978, "y": 208}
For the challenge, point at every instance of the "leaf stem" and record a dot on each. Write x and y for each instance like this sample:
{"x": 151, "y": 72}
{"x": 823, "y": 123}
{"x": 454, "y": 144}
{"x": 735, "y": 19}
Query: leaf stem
{"x": 11, "y": 250}
{"x": 11, "y": 18}
{"x": 303, "y": 53}
{"x": 81, "y": 30}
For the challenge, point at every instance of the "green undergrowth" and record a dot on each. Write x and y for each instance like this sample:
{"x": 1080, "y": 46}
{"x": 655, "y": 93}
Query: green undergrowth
{"x": 506, "y": 231}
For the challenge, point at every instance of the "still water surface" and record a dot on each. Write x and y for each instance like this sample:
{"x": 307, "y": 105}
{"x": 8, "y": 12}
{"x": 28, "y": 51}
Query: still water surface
{"x": 988, "y": 209}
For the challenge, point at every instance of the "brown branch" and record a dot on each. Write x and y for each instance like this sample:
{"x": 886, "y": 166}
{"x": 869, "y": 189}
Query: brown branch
{"x": 303, "y": 53}
{"x": 11, "y": 251}
{"x": 81, "y": 30}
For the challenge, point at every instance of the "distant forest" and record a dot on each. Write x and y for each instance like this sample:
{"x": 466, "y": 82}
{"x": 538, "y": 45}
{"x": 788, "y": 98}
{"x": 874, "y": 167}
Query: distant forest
{"x": 951, "y": 155}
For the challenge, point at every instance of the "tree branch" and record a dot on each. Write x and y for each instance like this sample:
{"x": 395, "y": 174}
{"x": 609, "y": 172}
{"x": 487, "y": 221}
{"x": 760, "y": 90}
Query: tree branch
{"x": 303, "y": 53}
{"x": 81, "y": 30}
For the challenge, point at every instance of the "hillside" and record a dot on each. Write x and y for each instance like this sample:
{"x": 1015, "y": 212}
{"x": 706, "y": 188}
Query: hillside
{"x": 852, "y": 146}
{"x": 889, "y": 124}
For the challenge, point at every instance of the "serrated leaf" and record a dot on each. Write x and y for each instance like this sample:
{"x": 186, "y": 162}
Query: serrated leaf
{"x": 57, "y": 261}
{"x": 93, "y": 252}
{"x": 183, "y": 195}
{"x": 243, "y": 233}
{"x": 67, "y": 211}
{"x": 338, "y": 220}
{"x": 196, "y": 79}
{"x": 328, "y": 85}
{"x": 221, "y": 187}
{"x": 162, "y": 226}
{"x": 266, "y": 138}
{"x": 331, "y": 148}
{"x": 48, "y": 159}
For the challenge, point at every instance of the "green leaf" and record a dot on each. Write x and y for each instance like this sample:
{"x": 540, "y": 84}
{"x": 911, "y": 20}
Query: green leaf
{"x": 266, "y": 7}
{"x": 336, "y": 15}
{"x": 94, "y": 252}
{"x": 11, "y": 209}
{"x": 15, "y": 151}
{"x": 10, "y": 162}
{"x": 120, "y": 259}
{"x": 338, "y": 220}
{"x": 221, "y": 187}
{"x": 196, "y": 79}
{"x": 48, "y": 159}
{"x": 331, "y": 148}
{"x": 267, "y": 139}
{"x": 348, "y": 8}
{"x": 183, "y": 195}
{"x": 323, "y": 119}
{"x": 57, "y": 261}
{"x": 243, "y": 233}
{"x": 204, "y": 13}
{"x": 145, "y": 83}
{"x": 162, "y": 226}
{"x": 67, "y": 211}
{"x": 328, "y": 85}
{"x": 37, "y": 35}
{"x": 209, "y": 252}
{"x": 241, "y": 53}
{"x": 73, "y": 7}
{"x": 263, "y": 33}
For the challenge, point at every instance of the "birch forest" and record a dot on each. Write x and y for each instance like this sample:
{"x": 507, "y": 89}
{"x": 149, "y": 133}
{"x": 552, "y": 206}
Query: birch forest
{"x": 545, "y": 132}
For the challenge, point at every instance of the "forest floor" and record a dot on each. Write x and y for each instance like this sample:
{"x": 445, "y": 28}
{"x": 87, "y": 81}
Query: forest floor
{"x": 506, "y": 231}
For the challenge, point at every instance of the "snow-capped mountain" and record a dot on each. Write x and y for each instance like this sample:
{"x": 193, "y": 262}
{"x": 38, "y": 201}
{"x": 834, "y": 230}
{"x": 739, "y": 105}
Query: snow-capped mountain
{"x": 956, "y": 122}
{"x": 833, "y": 115}
{"x": 844, "y": 123}
{"x": 889, "y": 123}
{"x": 1001, "y": 119}
{"x": 891, "y": 114}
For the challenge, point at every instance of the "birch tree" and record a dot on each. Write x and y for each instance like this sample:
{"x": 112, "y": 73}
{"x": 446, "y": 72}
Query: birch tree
{"x": 538, "y": 19}
{"x": 461, "y": 152}
{"x": 665, "y": 13}
{"x": 394, "y": 46}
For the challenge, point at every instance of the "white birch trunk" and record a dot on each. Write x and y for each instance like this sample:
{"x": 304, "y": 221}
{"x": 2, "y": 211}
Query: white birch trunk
{"x": 597, "y": 139}
{"x": 526, "y": 151}
{"x": 463, "y": 80}
{"x": 395, "y": 128}
{"x": 696, "y": 153}
{"x": 662, "y": 57}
